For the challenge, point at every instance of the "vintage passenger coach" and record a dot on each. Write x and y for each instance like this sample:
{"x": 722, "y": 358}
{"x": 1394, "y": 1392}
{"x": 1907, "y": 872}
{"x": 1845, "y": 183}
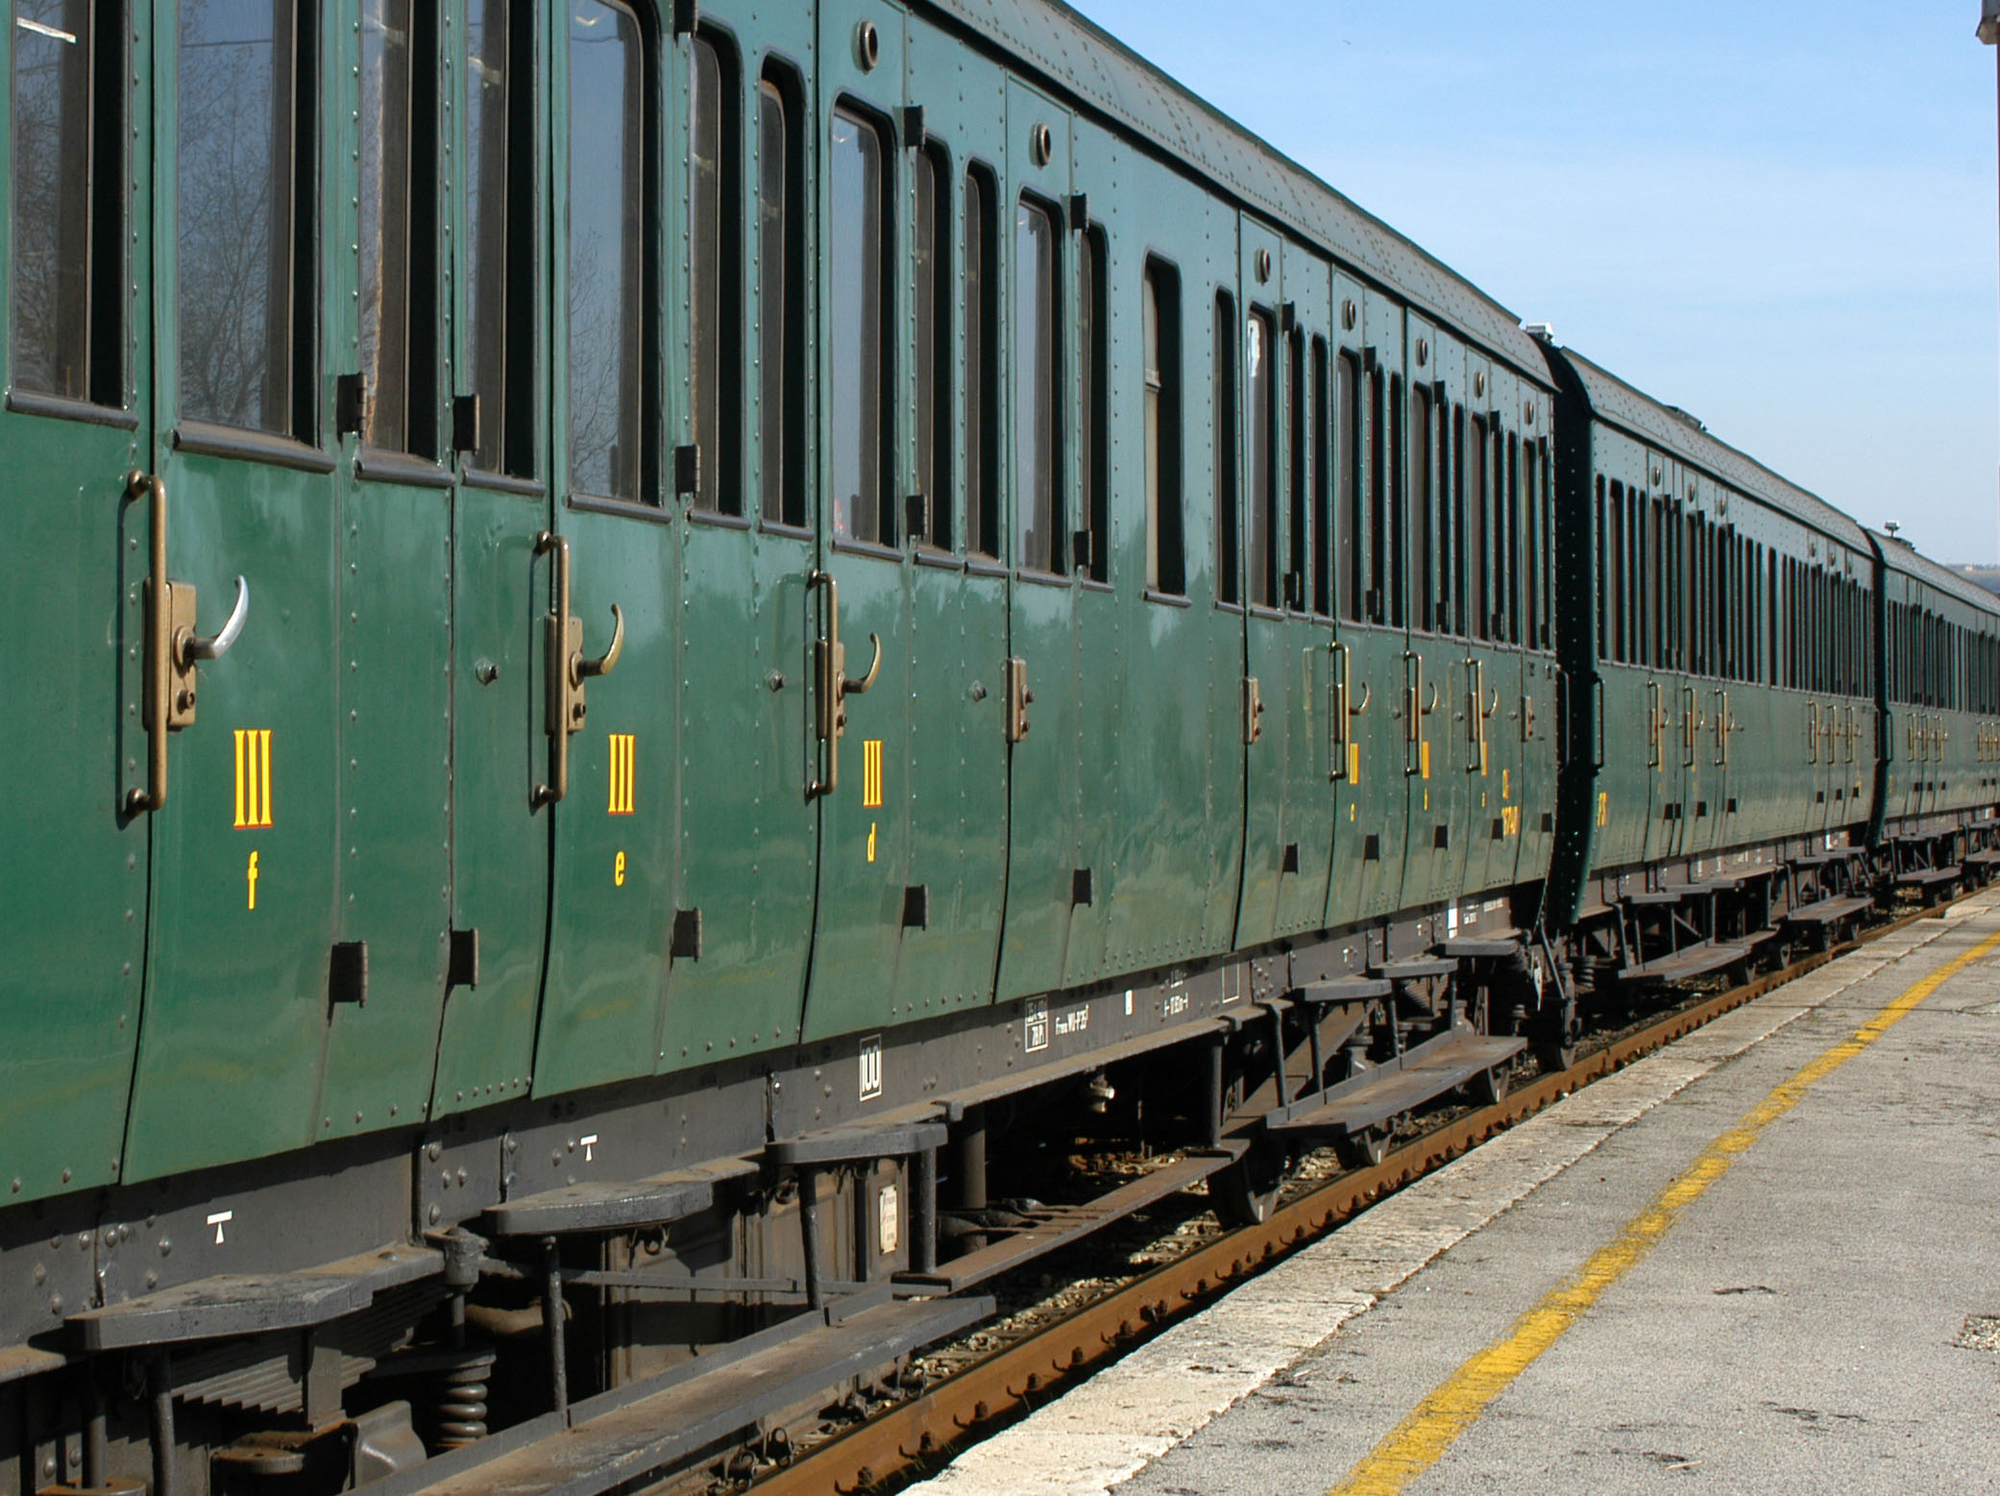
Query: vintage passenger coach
{"x": 648, "y": 637}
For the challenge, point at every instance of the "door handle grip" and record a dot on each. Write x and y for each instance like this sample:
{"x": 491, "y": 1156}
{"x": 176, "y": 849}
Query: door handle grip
{"x": 607, "y": 662}
{"x": 188, "y": 647}
{"x": 852, "y": 687}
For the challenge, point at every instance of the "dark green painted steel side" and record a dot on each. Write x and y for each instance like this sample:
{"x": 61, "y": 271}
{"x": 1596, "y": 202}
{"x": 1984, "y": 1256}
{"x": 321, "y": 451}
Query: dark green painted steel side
{"x": 957, "y": 766}
{"x": 604, "y": 999}
{"x": 1371, "y": 797}
{"x": 500, "y": 841}
{"x": 72, "y": 920}
{"x": 499, "y": 751}
{"x": 1044, "y": 768}
{"x": 237, "y": 998}
{"x": 747, "y": 835}
{"x": 1288, "y": 839}
{"x": 1179, "y": 760}
{"x": 394, "y": 703}
{"x": 1102, "y": 614}
{"x": 864, "y": 849}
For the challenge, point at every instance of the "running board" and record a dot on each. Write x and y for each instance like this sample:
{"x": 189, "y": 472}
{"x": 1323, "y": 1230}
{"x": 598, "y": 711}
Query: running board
{"x": 1396, "y": 1086}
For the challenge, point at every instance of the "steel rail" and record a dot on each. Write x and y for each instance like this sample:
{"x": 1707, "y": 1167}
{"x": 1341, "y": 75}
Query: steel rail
{"x": 957, "y": 1411}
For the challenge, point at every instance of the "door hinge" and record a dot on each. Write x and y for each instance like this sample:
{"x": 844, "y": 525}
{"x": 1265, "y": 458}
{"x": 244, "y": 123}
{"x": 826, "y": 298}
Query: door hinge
{"x": 687, "y": 935}
{"x": 350, "y": 404}
{"x": 687, "y": 470}
{"x": 347, "y": 973}
{"x": 465, "y": 423}
{"x": 463, "y": 970}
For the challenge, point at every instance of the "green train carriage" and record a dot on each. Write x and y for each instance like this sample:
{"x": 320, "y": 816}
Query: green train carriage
{"x": 808, "y": 576}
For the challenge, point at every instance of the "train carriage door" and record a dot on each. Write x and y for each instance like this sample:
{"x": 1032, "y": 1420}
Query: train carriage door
{"x": 1107, "y": 272}
{"x": 1662, "y": 567}
{"x": 398, "y": 594}
{"x": 77, "y": 419}
{"x": 1045, "y": 880}
{"x": 497, "y": 433}
{"x": 1495, "y": 758}
{"x": 1532, "y": 720}
{"x": 1376, "y": 739}
{"x": 861, "y": 590}
{"x": 1287, "y": 798}
{"x": 954, "y": 773}
{"x": 244, "y": 974}
{"x": 605, "y": 576}
{"x": 747, "y": 832}
{"x": 1442, "y": 669}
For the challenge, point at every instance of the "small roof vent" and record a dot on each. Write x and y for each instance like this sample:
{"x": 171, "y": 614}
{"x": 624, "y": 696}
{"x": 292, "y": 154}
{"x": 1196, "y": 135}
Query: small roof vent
{"x": 1691, "y": 419}
{"x": 1541, "y": 332}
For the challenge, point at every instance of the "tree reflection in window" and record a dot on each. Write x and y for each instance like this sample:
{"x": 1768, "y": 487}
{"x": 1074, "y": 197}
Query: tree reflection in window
{"x": 237, "y": 111}
{"x": 606, "y": 213}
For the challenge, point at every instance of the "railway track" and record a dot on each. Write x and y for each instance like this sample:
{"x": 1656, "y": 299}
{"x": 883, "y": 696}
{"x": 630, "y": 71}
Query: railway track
{"x": 915, "y": 1435}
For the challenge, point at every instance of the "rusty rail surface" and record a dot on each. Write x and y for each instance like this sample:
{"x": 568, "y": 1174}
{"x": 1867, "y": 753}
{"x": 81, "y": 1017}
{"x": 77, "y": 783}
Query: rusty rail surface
{"x": 956, "y": 1412}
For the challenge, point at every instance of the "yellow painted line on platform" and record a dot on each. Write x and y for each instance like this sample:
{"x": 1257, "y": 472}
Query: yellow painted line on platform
{"x": 1421, "y": 1439}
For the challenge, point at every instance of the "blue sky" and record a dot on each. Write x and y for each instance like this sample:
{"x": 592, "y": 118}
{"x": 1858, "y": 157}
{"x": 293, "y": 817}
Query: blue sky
{"x": 1779, "y": 216}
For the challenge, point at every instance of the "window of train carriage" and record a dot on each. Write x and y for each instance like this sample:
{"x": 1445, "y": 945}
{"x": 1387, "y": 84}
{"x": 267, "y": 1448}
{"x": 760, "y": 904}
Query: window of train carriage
{"x": 500, "y": 214}
{"x": 1350, "y": 554}
{"x": 1423, "y": 509}
{"x": 1322, "y": 484}
{"x": 1260, "y": 383}
{"x": 715, "y": 280}
{"x": 1551, "y": 542}
{"x": 857, "y": 235}
{"x": 1299, "y": 424}
{"x": 1166, "y": 554}
{"x": 1039, "y": 392}
{"x": 606, "y": 253}
{"x": 1375, "y": 604}
{"x": 1614, "y": 580}
{"x": 981, "y": 309}
{"x": 1533, "y": 548}
{"x": 1448, "y": 557}
{"x": 1458, "y": 597}
{"x": 398, "y": 226}
{"x": 1227, "y": 546}
{"x": 245, "y": 107}
{"x": 930, "y": 518}
{"x": 1397, "y": 511}
{"x": 781, "y": 299}
{"x": 66, "y": 302}
{"x": 1511, "y": 541}
{"x": 1093, "y": 543}
{"x": 1479, "y": 517}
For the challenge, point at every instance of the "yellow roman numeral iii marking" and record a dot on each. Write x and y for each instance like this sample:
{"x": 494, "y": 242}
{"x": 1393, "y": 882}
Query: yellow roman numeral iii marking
{"x": 624, "y": 758}
{"x": 253, "y": 778}
{"x": 871, "y": 774}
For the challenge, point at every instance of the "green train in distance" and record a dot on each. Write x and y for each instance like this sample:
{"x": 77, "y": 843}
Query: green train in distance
{"x": 657, "y": 644}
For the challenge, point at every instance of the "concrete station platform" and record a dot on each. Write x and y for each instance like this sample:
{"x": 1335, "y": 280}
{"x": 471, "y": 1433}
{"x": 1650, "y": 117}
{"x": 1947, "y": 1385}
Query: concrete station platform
{"x": 1766, "y": 1258}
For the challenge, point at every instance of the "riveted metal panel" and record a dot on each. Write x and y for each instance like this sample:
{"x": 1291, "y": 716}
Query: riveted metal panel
{"x": 73, "y": 923}
{"x": 748, "y": 834}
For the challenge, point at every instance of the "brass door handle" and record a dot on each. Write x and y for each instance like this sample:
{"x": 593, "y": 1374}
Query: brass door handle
{"x": 173, "y": 648}
{"x": 189, "y": 647}
{"x": 566, "y": 667}
{"x": 833, "y": 684}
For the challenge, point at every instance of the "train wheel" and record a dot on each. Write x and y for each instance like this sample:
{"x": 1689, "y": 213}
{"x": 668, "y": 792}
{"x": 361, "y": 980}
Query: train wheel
{"x": 1491, "y": 1085}
{"x": 1246, "y": 1192}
